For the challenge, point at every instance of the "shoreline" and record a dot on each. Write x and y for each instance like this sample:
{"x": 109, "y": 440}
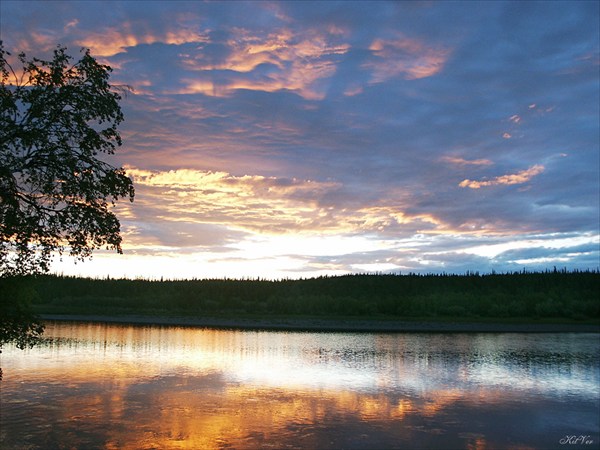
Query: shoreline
{"x": 329, "y": 325}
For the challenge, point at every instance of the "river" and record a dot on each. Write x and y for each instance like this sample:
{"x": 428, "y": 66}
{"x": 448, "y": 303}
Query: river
{"x": 149, "y": 387}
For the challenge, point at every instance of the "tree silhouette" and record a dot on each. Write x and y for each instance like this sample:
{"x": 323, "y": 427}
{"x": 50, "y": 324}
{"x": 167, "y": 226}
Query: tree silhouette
{"x": 58, "y": 118}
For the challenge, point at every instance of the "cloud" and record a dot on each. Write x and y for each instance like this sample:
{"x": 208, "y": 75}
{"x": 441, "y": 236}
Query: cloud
{"x": 410, "y": 58}
{"x": 280, "y": 60}
{"x": 518, "y": 178}
{"x": 111, "y": 41}
{"x": 515, "y": 118}
{"x": 255, "y": 203}
{"x": 465, "y": 162}
{"x": 256, "y": 120}
{"x": 271, "y": 205}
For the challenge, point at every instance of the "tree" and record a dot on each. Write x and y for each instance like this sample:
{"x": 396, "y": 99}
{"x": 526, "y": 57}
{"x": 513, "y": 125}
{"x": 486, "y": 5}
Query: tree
{"x": 58, "y": 121}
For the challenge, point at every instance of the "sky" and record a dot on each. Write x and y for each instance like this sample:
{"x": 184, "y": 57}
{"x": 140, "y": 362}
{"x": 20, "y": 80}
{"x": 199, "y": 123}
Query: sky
{"x": 298, "y": 139}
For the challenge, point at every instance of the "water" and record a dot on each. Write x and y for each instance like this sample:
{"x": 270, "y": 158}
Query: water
{"x": 127, "y": 387}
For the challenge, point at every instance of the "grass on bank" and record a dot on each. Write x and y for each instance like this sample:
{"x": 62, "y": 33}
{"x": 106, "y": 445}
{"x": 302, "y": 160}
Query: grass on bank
{"x": 551, "y": 297}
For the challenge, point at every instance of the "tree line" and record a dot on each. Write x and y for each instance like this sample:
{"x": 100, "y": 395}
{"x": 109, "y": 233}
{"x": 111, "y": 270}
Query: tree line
{"x": 551, "y": 294}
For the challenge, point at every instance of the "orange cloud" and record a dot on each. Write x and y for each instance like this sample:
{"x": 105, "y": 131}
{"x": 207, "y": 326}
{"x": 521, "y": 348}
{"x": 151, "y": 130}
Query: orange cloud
{"x": 518, "y": 178}
{"x": 259, "y": 204}
{"x": 112, "y": 41}
{"x": 297, "y": 64}
{"x": 247, "y": 202}
{"x": 37, "y": 41}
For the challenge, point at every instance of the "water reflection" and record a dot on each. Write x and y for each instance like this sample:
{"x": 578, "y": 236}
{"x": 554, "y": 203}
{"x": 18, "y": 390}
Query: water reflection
{"x": 103, "y": 386}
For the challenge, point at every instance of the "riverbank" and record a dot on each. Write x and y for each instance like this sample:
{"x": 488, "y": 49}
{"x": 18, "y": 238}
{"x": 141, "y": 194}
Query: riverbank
{"x": 332, "y": 325}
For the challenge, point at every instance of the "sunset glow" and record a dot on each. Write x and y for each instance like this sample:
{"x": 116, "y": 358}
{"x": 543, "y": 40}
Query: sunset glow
{"x": 297, "y": 139}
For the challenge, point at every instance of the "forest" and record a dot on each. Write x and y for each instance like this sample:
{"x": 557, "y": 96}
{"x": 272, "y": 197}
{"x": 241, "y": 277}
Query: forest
{"x": 560, "y": 295}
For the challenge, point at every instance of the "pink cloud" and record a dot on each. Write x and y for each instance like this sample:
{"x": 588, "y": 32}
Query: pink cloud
{"x": 466, "y": 162}
{"x": 299, "y": 62}
{"x": 517, "y": 178}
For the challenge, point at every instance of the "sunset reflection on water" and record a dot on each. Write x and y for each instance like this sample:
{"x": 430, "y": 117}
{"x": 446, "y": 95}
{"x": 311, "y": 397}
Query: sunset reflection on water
{"x": 129, "y": 387}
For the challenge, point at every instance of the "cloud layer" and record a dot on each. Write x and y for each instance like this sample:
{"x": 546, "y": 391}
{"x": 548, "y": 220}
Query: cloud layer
{"x": 291, "y": 138}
